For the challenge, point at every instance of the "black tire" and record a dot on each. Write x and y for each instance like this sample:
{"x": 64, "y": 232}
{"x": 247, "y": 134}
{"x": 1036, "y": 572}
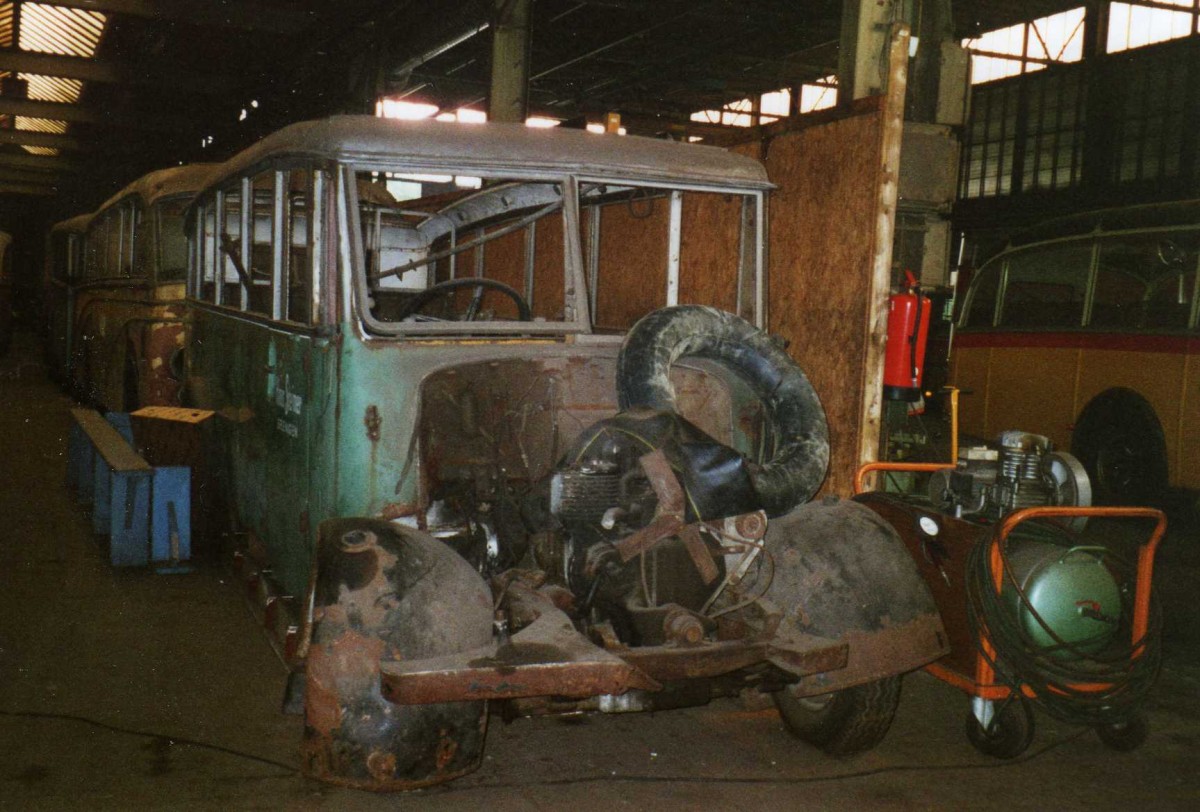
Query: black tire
{"x": 1009, "y": 734}
{"x": 801, "y": 454}
{"x": 842, "y": 723}
{"x": 1126, "y": 735}
{"x": 1120, "y": 442}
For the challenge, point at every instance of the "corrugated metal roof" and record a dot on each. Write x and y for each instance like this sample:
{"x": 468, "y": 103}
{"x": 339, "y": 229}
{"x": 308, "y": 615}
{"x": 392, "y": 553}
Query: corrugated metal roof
{"x": 57, "y": 30}
{"x": 51, "y": 30}
{"x": 6, "y": 25}
{"x": 53, "y": 88}
{"x": 41, "y": 125}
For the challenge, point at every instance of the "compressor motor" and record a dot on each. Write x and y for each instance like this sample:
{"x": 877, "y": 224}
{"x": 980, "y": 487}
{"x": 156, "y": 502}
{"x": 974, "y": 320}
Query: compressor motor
{"x": 1022, "y": 471}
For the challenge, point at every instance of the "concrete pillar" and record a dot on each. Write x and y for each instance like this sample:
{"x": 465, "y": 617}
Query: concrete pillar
{"x": 509, "y": 97}
{"x": 863, "y": 55}
{"x": 932, "y": 29}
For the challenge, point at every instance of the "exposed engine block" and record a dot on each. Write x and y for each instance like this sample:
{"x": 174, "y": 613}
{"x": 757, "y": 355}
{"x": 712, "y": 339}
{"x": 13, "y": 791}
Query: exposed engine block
{"x": 1022, "y": 471}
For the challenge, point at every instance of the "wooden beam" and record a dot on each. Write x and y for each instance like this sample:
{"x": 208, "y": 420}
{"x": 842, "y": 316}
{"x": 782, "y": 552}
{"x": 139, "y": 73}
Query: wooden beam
{"x": 30, "y": 138}
{"x": 27, "y": 189}
{"x": 44, "y": 163}
{"x": 80, "y": 114}
{"x": 271, "y": 18}
{"x": 27, "y": 176}
{"x": 99, "y": 70}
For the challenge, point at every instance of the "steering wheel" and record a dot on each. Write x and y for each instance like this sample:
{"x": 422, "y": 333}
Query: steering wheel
{"x": 441, "y": 289}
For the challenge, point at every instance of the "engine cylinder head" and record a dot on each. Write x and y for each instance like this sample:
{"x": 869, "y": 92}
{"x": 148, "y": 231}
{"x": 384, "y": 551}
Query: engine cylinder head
{"x": 580, "y": 496}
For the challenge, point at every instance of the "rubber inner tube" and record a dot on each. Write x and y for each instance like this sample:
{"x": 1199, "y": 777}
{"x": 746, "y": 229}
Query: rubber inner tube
{"x": 797, "y": 468}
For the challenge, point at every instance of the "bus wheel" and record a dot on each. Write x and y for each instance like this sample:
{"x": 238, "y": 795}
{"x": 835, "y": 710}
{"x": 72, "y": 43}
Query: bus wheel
{"x": 1120, "y": 442}
{"x": 842, "y": 723}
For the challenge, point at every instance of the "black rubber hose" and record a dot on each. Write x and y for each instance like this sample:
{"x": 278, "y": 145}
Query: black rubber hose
{"x": 801, "y": 456}
{"x": 1063, "y": 678}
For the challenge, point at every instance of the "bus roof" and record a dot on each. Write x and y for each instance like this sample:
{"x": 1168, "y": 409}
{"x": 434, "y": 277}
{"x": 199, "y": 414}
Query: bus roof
{"x": 545, "y": 153}
{"x": 78, "y": 223}
{"x": 1120, "y": 218}
{"x": 175, "y": 180}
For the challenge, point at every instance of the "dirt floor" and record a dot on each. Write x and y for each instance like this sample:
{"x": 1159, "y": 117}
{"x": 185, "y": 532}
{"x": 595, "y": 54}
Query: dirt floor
{"x": 131, "y": 690}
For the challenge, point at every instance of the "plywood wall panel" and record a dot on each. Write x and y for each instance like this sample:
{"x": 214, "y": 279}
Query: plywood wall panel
{"x": 633, "y": 261}
{"x": 708, "y": 251}
{"x": 822, "y": 222}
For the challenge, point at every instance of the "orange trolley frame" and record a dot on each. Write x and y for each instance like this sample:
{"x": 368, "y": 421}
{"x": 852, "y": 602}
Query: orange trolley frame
{"x": 982, "y": 684}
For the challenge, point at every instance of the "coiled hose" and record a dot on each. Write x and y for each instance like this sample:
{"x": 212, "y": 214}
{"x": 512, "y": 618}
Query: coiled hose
{"x": 1058, "y": 682}
{"x": 797, "y": 464}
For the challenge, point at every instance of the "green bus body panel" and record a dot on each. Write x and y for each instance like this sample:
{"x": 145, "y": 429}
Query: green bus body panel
{"x": 274, "y": 394}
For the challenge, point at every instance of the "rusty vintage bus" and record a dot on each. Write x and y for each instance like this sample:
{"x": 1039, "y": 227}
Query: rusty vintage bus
{"x": 62, "y": 272}
{"x": 448, "y": 365}
{"x": 125, "y": 310}
{"x": 1086, "y": 330}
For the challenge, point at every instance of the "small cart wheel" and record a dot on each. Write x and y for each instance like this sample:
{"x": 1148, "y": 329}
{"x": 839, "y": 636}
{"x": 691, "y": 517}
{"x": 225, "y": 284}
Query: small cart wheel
{"x": 1128, "y": 734}
{"x": 1008, "y": 735}
{"x": 842, "y": 723}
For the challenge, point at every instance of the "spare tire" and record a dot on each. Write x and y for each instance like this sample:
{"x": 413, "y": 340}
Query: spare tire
{"x": 801, "y": 455}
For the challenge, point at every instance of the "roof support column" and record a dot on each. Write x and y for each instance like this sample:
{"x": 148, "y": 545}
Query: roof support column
{"x": 509, "y": 97}
{"x": 863, "y": 55}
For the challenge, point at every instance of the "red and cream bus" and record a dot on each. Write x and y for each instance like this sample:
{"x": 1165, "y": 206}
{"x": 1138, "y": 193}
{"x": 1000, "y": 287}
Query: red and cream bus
{"x": 1085, "y": 330}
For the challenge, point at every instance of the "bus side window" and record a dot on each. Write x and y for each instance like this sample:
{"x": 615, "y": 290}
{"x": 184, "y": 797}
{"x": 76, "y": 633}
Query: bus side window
{"x": 229, "y": 242}
{"x": 1114, "y": 304}
{"x": 170, "y": 243}
{"x": 1046, "y": 286}
{"x": 143, "y": 246}
{"x": 111, "y": 262}
{"x": 1168, "y": 301}
{"x": 262, "y": 252}
{"x": 982, "y": 306}
{"x": 206, "y": 252}
{"x": 1145, "y": 281}
{"x": 131, "y": 238}
{"x": 298, "y": 301}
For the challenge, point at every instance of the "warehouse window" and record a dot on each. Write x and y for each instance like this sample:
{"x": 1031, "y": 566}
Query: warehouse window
{"x": 47, "y": 28}
{"x": 1133, "y": 25}
{"x": 1053, "y": 136}
{"x": 1027, "y": 47}
{"x": 1151, "y": 130}
{"x": 819, "y": 94}
{"x": 990, "y": 143}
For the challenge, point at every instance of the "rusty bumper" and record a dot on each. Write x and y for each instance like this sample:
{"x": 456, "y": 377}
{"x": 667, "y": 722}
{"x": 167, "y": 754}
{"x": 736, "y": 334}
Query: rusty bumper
{"x": 550, "y": 658}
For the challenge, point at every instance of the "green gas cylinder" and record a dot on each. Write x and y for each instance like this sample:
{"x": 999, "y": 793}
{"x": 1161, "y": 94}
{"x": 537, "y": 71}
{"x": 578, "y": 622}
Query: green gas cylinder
{"x": 1072, "y": 591}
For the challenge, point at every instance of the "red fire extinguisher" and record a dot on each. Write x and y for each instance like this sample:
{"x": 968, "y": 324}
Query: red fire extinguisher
{"x": 907, "y": 331}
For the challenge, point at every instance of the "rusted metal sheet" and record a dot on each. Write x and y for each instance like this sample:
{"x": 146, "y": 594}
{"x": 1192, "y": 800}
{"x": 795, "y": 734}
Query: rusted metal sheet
{"x": 843, "y": 573}
{"x": 386, "y": 593}
{"x": 559, "y": 662}
{"x": 670, "y": 663}
{"x": 548, "y": 658}
{"x": 942, "y": 562}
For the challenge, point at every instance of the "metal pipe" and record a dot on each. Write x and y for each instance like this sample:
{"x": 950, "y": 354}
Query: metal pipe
{"x": 437, "y": 50}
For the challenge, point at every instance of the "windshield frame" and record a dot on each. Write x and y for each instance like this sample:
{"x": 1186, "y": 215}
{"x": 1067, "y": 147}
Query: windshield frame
{"x": 578, "y": 295}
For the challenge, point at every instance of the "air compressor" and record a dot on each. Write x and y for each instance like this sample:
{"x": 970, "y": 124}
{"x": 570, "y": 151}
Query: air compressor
{"x": 907, "y": 334}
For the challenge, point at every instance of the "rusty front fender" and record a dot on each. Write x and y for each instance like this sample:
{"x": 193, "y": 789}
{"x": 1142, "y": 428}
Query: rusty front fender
{"x": 842, "y": 572}
{"x": 386, "y": 593}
